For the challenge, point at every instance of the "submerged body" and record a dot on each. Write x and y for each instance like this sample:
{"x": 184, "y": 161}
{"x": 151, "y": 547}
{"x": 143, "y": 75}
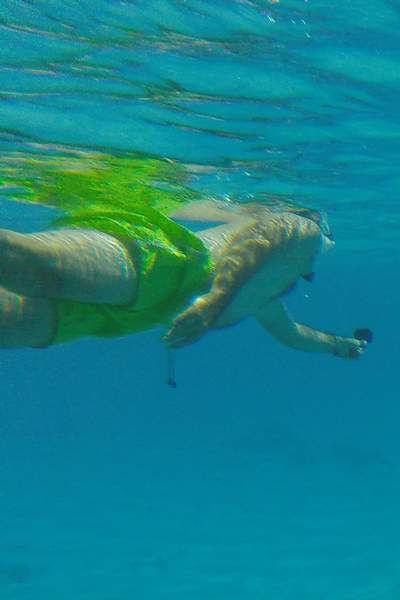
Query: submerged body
{"x": 112, "y": 274}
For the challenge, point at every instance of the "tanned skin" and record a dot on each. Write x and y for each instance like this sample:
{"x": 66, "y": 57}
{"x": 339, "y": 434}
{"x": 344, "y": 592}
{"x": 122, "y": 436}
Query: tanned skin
{"x": 258, "y": 256}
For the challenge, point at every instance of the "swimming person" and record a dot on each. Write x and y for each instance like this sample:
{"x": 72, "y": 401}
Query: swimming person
{"x": 112, "y": 274}
{"x": 118, "y": 263}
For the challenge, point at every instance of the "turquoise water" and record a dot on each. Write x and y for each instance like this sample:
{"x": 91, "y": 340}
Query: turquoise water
{"x": 266, "y": 473}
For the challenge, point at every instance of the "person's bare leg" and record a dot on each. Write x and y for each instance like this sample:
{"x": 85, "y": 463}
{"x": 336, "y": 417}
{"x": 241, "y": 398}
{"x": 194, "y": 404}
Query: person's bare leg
{"x": 24, "y": 321}
{"x": 75, "y": 264}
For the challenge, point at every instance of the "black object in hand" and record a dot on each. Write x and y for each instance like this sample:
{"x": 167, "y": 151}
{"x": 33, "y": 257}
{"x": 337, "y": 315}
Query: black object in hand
{"x": 364, "y": 334}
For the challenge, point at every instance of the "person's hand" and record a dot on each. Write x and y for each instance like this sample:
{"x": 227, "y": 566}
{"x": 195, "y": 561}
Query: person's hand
{"x": 238, "y": 263}
{"x": 191, "y": 324}
{"x": 353, "y": 348}
{"x": 349, "y": 348}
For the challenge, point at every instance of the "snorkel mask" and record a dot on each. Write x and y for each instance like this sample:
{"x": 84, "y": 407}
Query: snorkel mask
{"x": 317, "y": 216}
{"x": 321, "y": 220}
{"x": 324, "y": 226}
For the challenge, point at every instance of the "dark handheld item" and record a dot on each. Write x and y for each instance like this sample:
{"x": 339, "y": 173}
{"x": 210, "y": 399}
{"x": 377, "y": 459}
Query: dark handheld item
{"x": 364, "y": 334}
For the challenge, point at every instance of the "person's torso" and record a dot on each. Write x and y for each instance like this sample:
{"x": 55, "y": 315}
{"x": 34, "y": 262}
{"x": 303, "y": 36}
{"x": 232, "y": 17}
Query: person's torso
{"x": 295, "y": 242}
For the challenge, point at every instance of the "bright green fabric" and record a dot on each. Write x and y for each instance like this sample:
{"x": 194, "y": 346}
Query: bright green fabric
{"x": 74, "y": 184}
{"x": 129, "y": 198}
{"x": 172, "y": 264}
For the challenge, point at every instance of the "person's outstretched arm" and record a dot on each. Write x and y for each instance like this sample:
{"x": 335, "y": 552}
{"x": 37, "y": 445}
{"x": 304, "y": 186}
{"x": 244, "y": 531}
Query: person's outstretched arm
{"x": 277, "y": 321}
{"x": 241, "y": 259}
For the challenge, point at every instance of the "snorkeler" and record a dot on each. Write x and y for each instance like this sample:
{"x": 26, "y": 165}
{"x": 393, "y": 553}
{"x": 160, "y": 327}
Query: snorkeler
{"x": 109, "y": 273}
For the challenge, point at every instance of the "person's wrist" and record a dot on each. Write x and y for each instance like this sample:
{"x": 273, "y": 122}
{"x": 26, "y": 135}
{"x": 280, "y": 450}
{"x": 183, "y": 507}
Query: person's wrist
{"x": 336, "y": 346}
{"x": 210, "y": 306}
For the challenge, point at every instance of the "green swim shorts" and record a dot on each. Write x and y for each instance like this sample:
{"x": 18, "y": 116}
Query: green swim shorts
{"x": 171, "y": 262}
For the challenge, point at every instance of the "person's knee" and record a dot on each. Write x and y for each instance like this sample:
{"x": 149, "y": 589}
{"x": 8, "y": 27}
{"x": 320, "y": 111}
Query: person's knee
{"x": 15, "y": 245}
{"x": 25, "y": 265}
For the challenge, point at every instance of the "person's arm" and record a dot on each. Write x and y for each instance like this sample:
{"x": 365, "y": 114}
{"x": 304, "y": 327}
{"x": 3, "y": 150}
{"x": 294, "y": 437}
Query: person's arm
{"x": 277, "y": 321}
{"x": 243, "y": 256}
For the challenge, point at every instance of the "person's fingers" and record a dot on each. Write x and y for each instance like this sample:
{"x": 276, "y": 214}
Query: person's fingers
{"x": 178, "y": 341}
{"x": 351, "y": 348}
{"x": 186, "y": 327}
{"x": 185, "y": 330}
{"x": 355, "y": 353}
{"x": 357, "y": 350}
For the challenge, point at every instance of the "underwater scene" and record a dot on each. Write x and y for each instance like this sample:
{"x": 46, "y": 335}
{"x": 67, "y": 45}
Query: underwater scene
{"x": 198, "y": 401}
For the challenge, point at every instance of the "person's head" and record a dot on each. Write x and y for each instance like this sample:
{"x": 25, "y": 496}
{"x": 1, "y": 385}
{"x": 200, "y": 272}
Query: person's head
{"x": 317, "y": 216}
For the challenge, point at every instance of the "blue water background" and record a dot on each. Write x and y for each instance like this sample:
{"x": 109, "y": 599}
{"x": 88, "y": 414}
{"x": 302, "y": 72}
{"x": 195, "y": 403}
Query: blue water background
{"x": 267, "y": 473}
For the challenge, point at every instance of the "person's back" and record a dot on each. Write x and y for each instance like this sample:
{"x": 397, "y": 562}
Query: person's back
{"x": 294, "y": 243}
